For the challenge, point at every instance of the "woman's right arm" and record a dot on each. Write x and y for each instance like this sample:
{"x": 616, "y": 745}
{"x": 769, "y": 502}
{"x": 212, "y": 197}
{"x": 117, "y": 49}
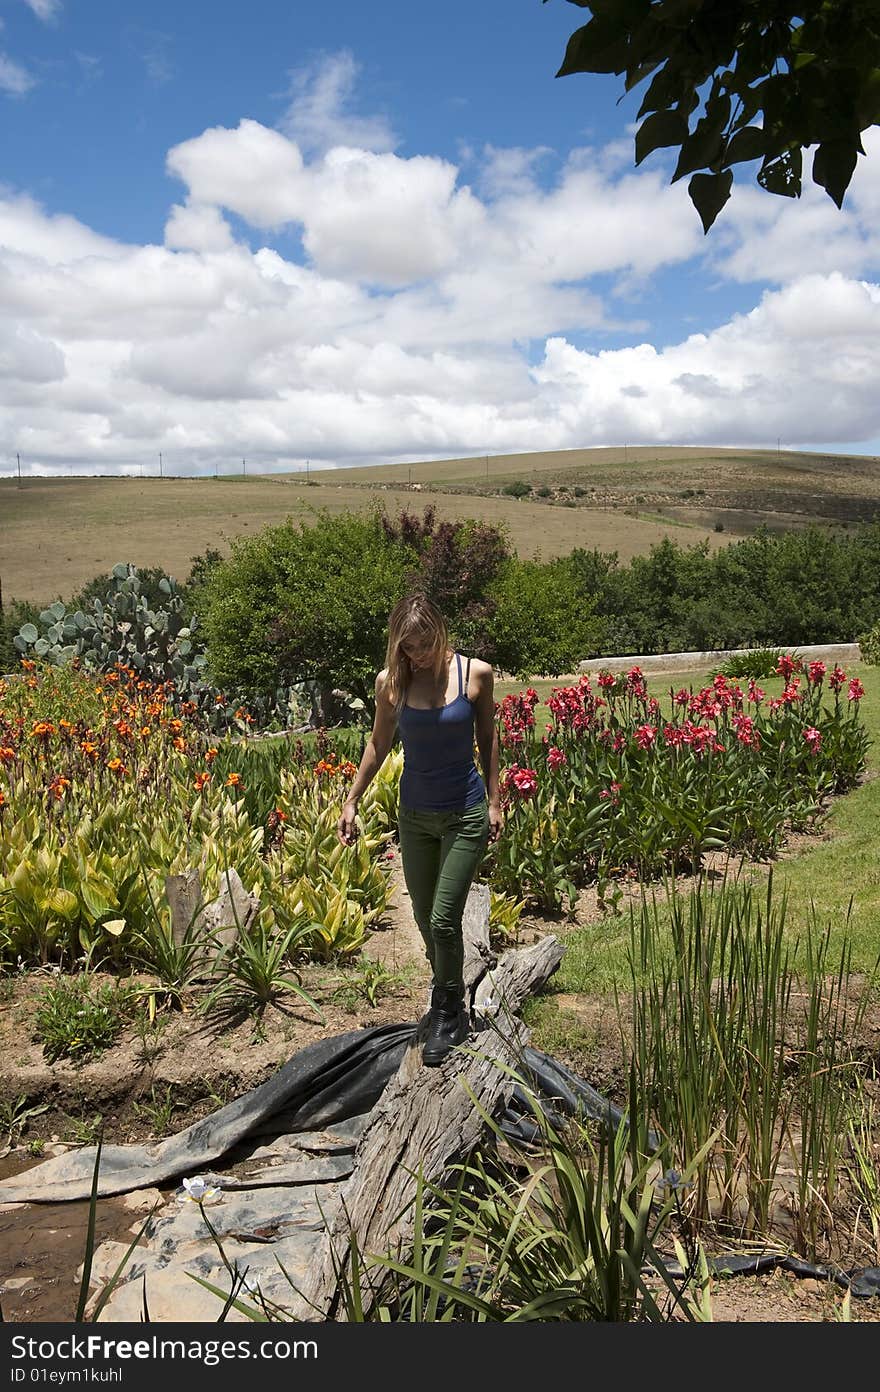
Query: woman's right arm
{"x": 375, "y": 752}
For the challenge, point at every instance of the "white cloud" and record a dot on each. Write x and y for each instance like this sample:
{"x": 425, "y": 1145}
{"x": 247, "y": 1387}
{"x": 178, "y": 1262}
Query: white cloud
{"x": 403, "y": 312}
{"x": 14, "y": 79}
{"x": 45, "y": 10}
{"x": 767, "y": 238}
{"x": 319, "y": 115}
{"x": 802, "y": 365}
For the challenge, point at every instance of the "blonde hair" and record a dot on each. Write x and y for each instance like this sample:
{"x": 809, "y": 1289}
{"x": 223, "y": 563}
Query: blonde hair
{"x": 416, "y": 622}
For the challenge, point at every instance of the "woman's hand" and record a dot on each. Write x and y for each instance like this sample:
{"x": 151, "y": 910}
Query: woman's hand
{"x": 346, "y": 827}
{"x": 496, "y": 820}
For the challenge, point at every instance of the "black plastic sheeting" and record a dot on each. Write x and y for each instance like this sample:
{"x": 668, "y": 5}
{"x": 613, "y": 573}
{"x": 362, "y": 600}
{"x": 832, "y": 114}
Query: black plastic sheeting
{"x": 335, "y": 1080}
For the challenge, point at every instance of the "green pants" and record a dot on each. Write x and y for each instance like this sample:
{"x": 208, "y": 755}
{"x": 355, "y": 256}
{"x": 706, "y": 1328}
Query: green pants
{"x": 441, "y": 853}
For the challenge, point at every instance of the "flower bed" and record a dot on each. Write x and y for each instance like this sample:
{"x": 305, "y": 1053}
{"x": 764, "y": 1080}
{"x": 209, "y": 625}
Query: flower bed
{"x": 614, "y": 784}
{"x": 106, "y": 788}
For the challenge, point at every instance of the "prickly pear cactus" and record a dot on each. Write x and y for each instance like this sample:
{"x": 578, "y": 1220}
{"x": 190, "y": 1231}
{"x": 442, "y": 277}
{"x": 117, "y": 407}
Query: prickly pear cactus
{"x": 161, "y": 645}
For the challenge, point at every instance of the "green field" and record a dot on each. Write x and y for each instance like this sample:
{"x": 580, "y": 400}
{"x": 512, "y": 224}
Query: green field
{"x": 57, "y": 534}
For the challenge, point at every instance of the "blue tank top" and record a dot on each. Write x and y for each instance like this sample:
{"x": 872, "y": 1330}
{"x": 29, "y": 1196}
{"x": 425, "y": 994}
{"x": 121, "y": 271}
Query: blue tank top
{"x": 439, "y": 773}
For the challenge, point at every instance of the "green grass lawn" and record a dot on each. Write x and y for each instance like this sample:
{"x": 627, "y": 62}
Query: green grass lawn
{"x": 836, "y": 880}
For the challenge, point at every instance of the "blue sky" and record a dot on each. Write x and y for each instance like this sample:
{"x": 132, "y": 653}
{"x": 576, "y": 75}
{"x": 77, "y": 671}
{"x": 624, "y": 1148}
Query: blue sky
{"x": 363, "y": 233}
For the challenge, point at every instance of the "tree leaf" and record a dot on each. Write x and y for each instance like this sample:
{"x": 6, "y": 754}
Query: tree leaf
{"x": 596, "y": 48}
{"x": 706, "y": 144}
{"x": 709, "y": 193}
{"x": 662, "y": 128}
{"x": 833, "y": 166}
{"x": 782, "y": 175}
{"x": 750, "y": 143}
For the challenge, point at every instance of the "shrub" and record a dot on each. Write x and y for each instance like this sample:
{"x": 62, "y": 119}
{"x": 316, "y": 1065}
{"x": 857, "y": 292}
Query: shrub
{"x": 76, "y": 1020}
{"x": 305, "y": 603}
{"x": 543, "y": 491}
{"x": 869, "y": 646}
{"x": 517, "y": 489}
{"x": 542, "y": 624}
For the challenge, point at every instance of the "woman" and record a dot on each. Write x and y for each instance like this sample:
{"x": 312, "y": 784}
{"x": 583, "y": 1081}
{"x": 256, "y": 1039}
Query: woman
{"x": 448, "y": 812}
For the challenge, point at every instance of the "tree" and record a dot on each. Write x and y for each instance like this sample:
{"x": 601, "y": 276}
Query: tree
{"x": 457, "y": 562}
{"x": 761, "y": 80}
{"x": 304, "y": 604}
{"x": 543, "y": 624}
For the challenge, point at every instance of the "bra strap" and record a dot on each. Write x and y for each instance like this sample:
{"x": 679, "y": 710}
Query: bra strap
{"x": 458, "y": 660}
{"x": 467, "y": 677}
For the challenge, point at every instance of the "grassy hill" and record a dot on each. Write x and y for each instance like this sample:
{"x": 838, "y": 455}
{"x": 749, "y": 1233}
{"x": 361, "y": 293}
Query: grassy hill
{"x": 56, "y": 534}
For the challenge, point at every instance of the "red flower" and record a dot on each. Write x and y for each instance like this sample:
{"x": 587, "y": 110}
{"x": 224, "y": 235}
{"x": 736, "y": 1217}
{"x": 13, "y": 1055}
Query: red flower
{"x": 756, "y": 695}
{"x": 607, "y": 680}
{"x": 837, "y": 678}
{"x": 645, "y": 736}
{"x": 814, "y": 739}
{"x": 856, "y": 690}
{"x": 555, "y": 758}
{"x": 521, "y": 781}
{"x": 815, "y": 672}
{"x": 786, "y": 665}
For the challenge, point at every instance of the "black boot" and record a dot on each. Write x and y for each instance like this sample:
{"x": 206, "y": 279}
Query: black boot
{"x": 448, "y": 1024}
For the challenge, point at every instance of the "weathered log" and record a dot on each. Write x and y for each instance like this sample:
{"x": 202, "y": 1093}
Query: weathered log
{"x": 218, "y": 923}
{"x": 428, "y": 1116}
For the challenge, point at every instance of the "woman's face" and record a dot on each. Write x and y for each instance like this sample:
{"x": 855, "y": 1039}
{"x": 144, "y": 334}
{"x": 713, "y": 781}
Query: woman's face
{"x": 419, "y": 650}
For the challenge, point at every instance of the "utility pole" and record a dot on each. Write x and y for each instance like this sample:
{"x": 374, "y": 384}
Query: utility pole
{"x": 18, "y": 457}
{"x": 487, "y": 466}
{"x": 778, "y": 444}
{"x": 307, "y": 470}
{"x": 242, "y": 469}
{"x": 160, "y": 463}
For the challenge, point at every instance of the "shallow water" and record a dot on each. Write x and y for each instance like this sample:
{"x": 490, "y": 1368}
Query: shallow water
{"x": 42, "y": 1245}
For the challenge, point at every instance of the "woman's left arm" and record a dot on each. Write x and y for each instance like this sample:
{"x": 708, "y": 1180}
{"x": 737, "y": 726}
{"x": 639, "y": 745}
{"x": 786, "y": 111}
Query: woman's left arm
{"x": 486, "y": 732}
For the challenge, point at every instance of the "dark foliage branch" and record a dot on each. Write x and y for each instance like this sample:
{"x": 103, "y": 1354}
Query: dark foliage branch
{"x": 742, "y": 81}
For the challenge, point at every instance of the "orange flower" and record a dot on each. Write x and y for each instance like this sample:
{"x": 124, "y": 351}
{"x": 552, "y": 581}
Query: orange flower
{"x": 348, "y": 769}
{"x": 122, "y": 728}
{"x": 234, "y": 781}
{"x": 2, "y": 799}
{"x": 6, "y": 754}
{"x": 90, "y": 749}
{"x": 145, "y": 731}
{"x": 282, "y": 816}
{"x": 58, "y": 786}
{"x": 64, "y": 725}
{"x": 201, "y": 779}
{"x": 116, "y": 766}
{"x": 32, "y": 683}
{"x": 27, "y": 664}
{"x": 180, "y": 743}
{"x": 111, "y": 676}
{"x": 210, "y": 756}
{"x": 176, "y": 726}
{"x": 42, "y": 729}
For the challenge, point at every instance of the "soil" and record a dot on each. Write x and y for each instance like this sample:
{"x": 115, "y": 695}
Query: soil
{"x": 139, "y": 1091}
